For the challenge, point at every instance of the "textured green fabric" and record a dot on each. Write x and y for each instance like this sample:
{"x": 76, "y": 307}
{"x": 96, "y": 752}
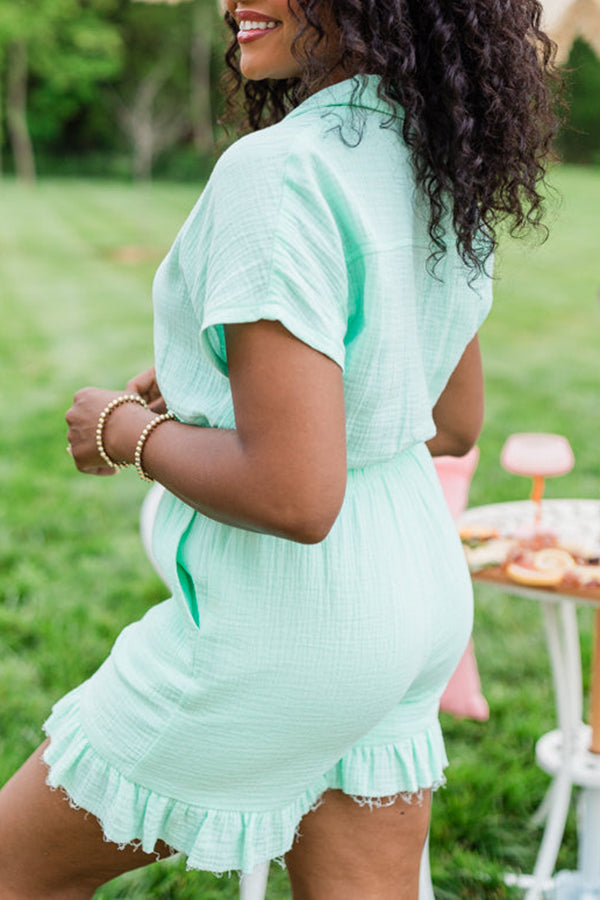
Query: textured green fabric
{"x": 278, "y": 670}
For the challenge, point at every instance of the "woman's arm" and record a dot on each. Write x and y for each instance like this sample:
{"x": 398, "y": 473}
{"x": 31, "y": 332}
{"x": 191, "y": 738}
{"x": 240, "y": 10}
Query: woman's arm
{"x": 458, "y": 414}
{"x": 281, "y": 471}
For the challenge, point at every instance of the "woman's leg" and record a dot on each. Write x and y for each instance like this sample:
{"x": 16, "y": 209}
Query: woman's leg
{"x": 50, "y": 850}
{"x": 351, "y": 852}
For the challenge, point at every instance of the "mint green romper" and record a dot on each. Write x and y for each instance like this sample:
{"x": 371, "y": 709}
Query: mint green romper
{"x": 276, "y": 670}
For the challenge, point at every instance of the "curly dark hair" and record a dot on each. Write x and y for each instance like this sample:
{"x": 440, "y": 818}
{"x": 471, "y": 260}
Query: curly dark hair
{"x": 477, "y": 85}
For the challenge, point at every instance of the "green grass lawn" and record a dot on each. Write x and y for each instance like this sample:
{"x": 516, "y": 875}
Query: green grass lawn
{"x": 76, "y": 266}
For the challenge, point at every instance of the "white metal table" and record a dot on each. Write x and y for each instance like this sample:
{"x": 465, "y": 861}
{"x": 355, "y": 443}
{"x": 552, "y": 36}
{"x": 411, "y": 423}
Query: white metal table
{"x": 571, "y": 752}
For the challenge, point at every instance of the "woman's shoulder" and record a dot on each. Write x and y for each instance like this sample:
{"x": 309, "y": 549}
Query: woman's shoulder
{"x": 272, "y": 155}
{"x": 254, "y": 179}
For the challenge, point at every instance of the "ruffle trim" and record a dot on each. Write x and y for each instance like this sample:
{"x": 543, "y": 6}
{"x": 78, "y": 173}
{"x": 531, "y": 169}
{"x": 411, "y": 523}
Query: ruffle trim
{"x": 375, "y": 775}
{"x": 215, "y": 840}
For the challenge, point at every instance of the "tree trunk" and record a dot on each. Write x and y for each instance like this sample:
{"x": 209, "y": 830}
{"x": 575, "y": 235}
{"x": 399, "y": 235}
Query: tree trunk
{"x": 16, "y": 111}
{"x": 200, "y": 102}
{"x": 151, "y": 130}
{"x": 1, "y": 115}
{"x": 143, "y": 149}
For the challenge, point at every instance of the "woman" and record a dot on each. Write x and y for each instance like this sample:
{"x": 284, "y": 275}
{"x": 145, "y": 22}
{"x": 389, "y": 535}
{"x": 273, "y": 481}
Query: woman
{"x": 316, "y": 343}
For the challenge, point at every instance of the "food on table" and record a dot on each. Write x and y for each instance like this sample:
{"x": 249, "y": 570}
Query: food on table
{"x": 590, "y": 553}
{"x": 553, "y": 558}
{"x": 473, "y": 536}
{"x": 488, "y": 553}
{"x": 534, "y": 577}
{"x": 544, "y": 568}
{"x": 585, "y": 575}
{"x": 537, "y": 561}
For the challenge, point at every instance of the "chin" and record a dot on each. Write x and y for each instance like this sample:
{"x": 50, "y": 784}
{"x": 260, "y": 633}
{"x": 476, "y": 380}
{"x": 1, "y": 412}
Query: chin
{"x": 253, "y": 71}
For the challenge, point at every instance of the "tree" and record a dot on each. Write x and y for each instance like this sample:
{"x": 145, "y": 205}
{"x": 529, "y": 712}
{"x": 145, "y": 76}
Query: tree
{"x": 88, "y": 79}
{"x": 151, "y": 122}
{"x": 203, "y": 26}
{"x": 70, "y": 45}
{"x": 164, "y": 94}
{"x": 16, "y": 108}
{"x": 205, "y": 16}
{"x": 13, "y": 85}
{"x": 580, "y": 140}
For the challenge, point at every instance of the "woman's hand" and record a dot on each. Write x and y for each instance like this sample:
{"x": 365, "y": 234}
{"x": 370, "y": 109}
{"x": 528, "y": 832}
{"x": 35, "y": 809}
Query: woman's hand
{"x": 280, "y": 471}
{"x": 82, "y": 420}
{"x": 146, "y": 386}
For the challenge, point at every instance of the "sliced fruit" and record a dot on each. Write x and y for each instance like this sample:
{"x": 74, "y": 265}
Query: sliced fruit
{"x": 553, "y": 558}
{"x": 534, "y": 577}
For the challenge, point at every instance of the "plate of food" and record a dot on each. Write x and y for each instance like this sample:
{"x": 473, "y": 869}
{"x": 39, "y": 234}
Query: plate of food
{"x": 563, "y": 557}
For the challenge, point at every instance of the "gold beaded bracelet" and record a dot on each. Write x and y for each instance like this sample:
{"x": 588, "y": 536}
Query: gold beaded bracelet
{"x": 164, "y": 417}
{"x": 118, "y": 401}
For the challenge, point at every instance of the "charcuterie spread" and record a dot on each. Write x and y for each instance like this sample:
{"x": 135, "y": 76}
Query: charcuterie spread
{"x": 540, "y": 560}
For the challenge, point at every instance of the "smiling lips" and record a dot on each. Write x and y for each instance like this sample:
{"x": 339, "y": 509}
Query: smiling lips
{"x": 254, "y": 25}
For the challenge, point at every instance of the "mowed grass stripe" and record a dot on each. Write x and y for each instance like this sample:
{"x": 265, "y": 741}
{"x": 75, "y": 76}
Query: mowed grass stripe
{"x": 61, "y": 260}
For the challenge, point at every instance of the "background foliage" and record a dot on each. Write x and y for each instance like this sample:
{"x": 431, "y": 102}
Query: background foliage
{"x": 108, "y": 86}
{"x": 580, "y": 140}
{"x": 113, "y": 87}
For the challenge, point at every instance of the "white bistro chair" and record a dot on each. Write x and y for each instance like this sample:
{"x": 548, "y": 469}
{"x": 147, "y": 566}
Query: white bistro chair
{"x": 253, "y": 886}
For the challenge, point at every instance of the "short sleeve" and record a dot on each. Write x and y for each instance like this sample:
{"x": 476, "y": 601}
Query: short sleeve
{"x": 272, "y": 249}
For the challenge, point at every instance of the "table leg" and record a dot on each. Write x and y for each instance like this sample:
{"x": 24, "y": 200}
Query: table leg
{"x": 572, "y": 658}
{"x": 589, "y": 799}
{"x": 425, "y": 885}
{"x": 553, "y": 833}
{"x": 589, "y": 830}
{"x": 562, "y": 638}
{"x": 565, "y": 662}
{"x": 595, "y": 687}
{"x": 543, "y": 810}
{"x": 253, "y": 886}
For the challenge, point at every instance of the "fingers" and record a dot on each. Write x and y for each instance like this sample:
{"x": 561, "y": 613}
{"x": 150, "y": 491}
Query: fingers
{"x": 82, "y": 437}
{"x": 146, "y": 386}
{"x": 87, "y": 421}
{"x": 135, "y": 387}
{"x": 158, "y": 406}
{"x": 103, "y": 471}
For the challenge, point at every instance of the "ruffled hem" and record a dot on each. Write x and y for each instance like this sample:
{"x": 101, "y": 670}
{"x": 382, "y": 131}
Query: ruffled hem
{"x": 223, "y": 840}
{"x": 400, "y": 769}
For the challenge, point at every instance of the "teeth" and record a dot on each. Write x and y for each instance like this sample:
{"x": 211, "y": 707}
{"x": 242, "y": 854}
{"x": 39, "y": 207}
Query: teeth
{"x": 246, "y": 25}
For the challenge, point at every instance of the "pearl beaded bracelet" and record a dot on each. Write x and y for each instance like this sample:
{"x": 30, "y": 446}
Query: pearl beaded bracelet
{"x": 118, "y": 401}
{"x": 164, "y": 417}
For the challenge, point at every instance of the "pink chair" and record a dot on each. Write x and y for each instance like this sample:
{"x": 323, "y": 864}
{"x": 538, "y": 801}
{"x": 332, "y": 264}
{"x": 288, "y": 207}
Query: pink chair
{"x": 462, "y": 697}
